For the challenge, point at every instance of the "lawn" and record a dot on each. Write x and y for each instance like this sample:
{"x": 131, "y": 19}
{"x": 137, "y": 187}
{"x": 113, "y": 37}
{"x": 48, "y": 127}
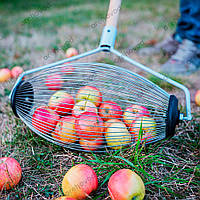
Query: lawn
{"x": 37, "y": 32}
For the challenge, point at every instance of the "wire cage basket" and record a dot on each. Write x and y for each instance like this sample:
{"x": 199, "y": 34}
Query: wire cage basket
{"x": 92, "y": 106}
{"x": 96, "y": 106}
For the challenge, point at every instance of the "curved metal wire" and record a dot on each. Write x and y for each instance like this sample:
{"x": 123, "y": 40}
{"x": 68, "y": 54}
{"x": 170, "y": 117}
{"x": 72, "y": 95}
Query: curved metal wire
{"x": 77, "y": 126}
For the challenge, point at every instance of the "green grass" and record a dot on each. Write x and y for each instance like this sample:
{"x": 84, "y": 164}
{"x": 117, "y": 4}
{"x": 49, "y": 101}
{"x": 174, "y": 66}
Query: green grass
{"x": 162, "y": 166}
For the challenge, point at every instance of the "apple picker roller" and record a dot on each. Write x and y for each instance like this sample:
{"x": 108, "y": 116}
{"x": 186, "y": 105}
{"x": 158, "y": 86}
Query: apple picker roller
{"x": 97, "y": 106}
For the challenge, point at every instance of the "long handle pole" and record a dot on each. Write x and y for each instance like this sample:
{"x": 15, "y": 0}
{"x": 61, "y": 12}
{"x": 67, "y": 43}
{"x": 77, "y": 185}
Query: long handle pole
{"x": 113, "y": 13}
{"x": 110, "y": 30}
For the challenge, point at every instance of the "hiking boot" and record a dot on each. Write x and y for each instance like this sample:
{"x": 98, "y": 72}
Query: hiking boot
{"x": 169, "y": 46}
{"x": 184, "y": 61}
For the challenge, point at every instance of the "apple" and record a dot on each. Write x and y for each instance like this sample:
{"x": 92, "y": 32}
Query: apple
{"x": 134, "y": 111}
{"x": 116, "y": 134}
{"x": 65, "y": 198}
{"x": 69, "y": 69}
{"x": 71, "y": 52}
{"x": 109, "y": 110}
{"x": 89, "y": 93}
{"x": 197, "y": 98}
{"x": 91, "y": 145}
{"x": 148, "y": 128}
{"x": 83, "y": 106}
{"x": 89, "y": 126}
{"x": 10, "y": 173}
{"x": 125, "y": 184}
{"x": 54, "y": 82}
{"x": 61, "y": 102}
{"x": 79, "y": 182}
{"x": 44, "y": 119}
{"x": 65, "y": 130}
{"x": 5, "y": 74}
{"x": 16, "y": 71}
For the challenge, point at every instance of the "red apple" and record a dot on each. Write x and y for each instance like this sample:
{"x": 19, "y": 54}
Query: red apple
{"x": 5, "y": 74}
{"x": 197, "y": 98}
{"x": 91, "y": 145}
{"x": 109, "y": 110}
{"x": 79, "y": 182}
{"x": 134, "y": 111}
{"x": 54, "y": 82}
{"x": 83, "y": 106}
{"x": 65, "y": 130}
{"x": 89, "y": 93}
{"x": 10, "y": 173}
{"x": 116, "y": 134}
{"x": 148, "y": 127}
{"x": 65, "y": 198}
{"x": 89, "y": 126}
{"x": 16, "y": 71}
{"x": 125, "y": 184}
{"x": 71, "y": 52}
{"x": 45, "y": 119}
{"x": 61, "y": 102}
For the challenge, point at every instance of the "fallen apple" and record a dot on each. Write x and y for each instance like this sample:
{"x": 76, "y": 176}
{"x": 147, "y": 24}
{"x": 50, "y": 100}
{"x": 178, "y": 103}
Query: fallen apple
{"x": 16, "y": 71}
{"x": 65, "y": 130}
{"x": 148, "y": 128}
{"x": 83, "y": 106}
{"x": 61, "y": 102}
{"x": 109, "y": 110}
{"x": 5, "y": 74}
{"x": 10, "y": 173}
{"x": 89, "y": 93}
{"x": 79, "y": 182}
{"x": 65, "y": 198}
{"x": 133, "y": 112}
{"x": 125, "y": 184}
{"x": 89, "y": 126}
{"x": 91, "y": 145}
{"x": 71, "y": 52}
{"x": 44, "y": 119}
{"x": 197, "y": 98}
{"x": 54, "y": 82}
{"x": 116, "y": 134}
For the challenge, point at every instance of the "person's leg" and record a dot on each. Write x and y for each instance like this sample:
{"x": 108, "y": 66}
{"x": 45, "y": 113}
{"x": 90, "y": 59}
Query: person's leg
{"x": 188, "y": 26}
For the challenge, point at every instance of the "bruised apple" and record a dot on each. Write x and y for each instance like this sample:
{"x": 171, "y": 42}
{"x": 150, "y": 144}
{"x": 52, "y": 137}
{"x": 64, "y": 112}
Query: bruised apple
{"x": 89, "y": 126}
{"x": 125, "y": 184}
{"x": 89, "y": 93}
{"x": 54, "y": 82}
{"x": 61, "y": 102}
{"x": 133, "y": 112}
{"x": 79, "y": 182}
{"x": 44, "y": 119}
{"x": 148, "y": 128}
{"x": 83, "y": 106}
{"x": 65, "y": 130}
{"x": 109, "y": 110}
{"x": 116, "y": 134}
{"x": 5, "y": 74}
{"x": 10, "y": 173}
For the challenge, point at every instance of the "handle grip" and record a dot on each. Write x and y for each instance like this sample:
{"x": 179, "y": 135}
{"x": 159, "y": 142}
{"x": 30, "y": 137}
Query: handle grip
{"x": 113, "y": 13}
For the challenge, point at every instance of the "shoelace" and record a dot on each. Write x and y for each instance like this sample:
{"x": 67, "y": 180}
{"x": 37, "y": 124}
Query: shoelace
{"x": 186, "y": 51}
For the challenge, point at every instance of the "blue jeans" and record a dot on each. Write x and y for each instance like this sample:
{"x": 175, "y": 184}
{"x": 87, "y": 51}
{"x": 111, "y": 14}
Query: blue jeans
{"x": 188, "y": 26}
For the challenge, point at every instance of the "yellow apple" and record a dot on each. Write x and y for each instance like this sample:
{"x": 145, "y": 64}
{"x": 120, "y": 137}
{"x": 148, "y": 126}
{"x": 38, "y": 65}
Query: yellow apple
{"x": 116, "y": 134}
